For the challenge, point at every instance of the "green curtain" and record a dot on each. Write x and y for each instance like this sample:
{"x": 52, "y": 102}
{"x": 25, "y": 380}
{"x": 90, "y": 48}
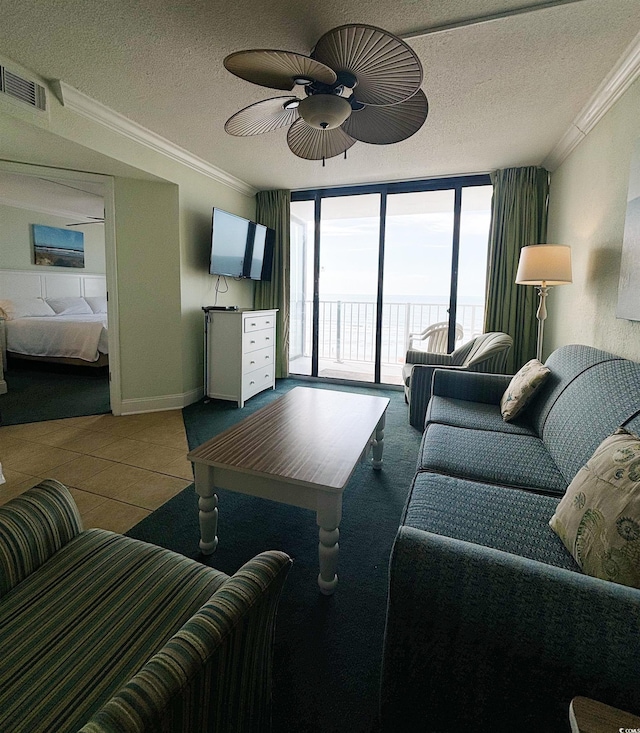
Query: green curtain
{"x": 273, "y": 210}
{"x": 518, "y": 218}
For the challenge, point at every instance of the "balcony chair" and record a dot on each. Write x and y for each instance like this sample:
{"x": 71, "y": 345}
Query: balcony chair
{"x": 485, "y": 353}
{"x": 435, "y": 337}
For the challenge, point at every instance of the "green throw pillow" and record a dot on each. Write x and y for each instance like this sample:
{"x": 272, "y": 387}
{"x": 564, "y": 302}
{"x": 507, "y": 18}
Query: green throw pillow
{"x": 522, "y": 387}
{"x": 598, "y": 519}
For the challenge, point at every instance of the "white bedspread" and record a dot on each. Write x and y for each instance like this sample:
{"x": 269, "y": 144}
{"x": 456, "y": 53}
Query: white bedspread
{"x": 79, "y": 336}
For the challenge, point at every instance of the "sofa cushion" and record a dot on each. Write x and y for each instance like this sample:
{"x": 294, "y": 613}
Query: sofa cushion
{"x": 589, "y": 409}
{"x": 598, "y": 519}
{"x": 82, "y": 624}
{"x": 478, "y": 415}
{"x": 490, "y": 457}
{"x": 522, "y": 387}
{"x": 503, "y": 518}
{"x": 566, "y": 364}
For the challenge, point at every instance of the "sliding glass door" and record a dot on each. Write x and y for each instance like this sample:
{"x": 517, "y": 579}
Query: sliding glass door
{"x": 348, "y": 286}
{"x": 417, "y": 275}
{"x": 301, "y": 287}
{"x": 376, "y": 269}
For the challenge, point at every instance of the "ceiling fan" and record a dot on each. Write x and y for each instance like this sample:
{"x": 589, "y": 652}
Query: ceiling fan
{"x": 360, "y": 84}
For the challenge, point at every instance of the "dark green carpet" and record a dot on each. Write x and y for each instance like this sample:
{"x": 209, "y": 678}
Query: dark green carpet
{"x": 50, "y": 392}
{"x": 328, "y": 649}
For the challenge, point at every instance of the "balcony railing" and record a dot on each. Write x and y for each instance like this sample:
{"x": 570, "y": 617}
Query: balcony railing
{"x": 347, "y": 328}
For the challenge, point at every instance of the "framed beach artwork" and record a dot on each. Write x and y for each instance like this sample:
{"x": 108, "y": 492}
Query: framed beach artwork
{"x": 629, "y": 284}
{"x": 57, "y": 247}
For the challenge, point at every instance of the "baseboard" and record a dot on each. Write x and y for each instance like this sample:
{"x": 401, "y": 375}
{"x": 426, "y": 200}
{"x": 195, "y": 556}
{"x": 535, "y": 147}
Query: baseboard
{"x": 192, "y": 396}
{"x": 158, "y": 404}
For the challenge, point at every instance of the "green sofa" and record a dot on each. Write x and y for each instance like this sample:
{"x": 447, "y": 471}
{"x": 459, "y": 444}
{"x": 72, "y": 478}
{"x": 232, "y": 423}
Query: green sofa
{"x": 101, "y": 633}
{"x": 491, "y": 626}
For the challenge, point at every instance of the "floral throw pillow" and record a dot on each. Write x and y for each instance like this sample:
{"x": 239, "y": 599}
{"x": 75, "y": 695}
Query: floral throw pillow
{"x": 598, "y": 519}
{"x": 522, "y": 388}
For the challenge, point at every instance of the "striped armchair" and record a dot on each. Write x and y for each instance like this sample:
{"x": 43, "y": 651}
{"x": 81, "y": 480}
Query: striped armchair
{"x": 102, "y": 633}
{"x": 485, "y": 353}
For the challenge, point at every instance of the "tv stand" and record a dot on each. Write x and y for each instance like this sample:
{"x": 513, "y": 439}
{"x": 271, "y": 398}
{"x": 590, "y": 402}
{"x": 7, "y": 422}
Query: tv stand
{"x": 239, "y": 353}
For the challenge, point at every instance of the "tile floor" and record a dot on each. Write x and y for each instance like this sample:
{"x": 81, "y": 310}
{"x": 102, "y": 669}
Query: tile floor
{"x": 119, "y": 469}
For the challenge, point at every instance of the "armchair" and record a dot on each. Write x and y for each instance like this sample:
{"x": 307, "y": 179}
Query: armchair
{"x": 101, "y": 633}
{"x": 485, "y": 353}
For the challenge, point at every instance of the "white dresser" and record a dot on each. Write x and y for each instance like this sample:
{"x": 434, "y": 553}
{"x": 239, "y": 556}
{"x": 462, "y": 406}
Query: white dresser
{"x": 240, "y": 358}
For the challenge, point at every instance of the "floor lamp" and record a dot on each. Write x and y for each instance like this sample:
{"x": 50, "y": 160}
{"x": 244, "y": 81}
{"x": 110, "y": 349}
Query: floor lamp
{"x": 544, "y": 265}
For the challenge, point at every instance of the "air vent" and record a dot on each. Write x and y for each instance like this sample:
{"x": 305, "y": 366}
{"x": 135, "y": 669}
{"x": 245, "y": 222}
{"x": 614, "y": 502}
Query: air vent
{"x": 23, "y": 89}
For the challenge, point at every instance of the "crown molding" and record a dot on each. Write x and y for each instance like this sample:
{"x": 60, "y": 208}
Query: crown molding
{"x": 614, "y": 85}
{"x": 87, "y": 107}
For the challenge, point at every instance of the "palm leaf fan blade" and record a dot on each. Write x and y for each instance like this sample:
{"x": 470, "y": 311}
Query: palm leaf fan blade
{"x": 313, "y": 144}
{"x": 387, "y": 69}
{"x": 261, "y": 117}
{"x": 277, "y": 69}
{"x": 387, "y": 125}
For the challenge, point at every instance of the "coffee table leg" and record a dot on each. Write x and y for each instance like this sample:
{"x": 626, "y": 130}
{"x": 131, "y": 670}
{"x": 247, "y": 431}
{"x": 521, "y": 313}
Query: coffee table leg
{"x": 378, "y": 444}
{"x": 208, "y": 505}
{"x": 328, "y": 518}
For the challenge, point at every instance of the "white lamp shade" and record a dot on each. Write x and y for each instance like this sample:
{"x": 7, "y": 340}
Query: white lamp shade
{"x": 548, "y": 264}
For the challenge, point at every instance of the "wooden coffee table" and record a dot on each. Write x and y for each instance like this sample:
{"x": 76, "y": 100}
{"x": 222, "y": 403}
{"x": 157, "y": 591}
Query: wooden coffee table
{"x": 300, "y": 450}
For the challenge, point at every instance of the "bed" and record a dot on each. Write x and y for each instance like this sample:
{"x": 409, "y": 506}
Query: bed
{"x": 69, "y": 330}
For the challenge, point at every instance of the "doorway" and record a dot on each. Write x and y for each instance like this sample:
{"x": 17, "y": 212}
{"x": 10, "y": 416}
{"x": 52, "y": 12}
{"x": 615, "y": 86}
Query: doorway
{"x": 59, "y": 201}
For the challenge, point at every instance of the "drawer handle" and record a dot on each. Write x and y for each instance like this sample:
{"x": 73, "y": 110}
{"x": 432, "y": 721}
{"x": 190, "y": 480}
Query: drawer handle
{"x": 252, "y": 362}
{"x": 251, "y": 382}
{"x": 266, "y": 376}
{"x": 266, "y": 357}
{"x": 268, "y": 323}
{"x": 252, "y": 342}
{"x": 266, "y": 338}
{"x": 253, "y": 324}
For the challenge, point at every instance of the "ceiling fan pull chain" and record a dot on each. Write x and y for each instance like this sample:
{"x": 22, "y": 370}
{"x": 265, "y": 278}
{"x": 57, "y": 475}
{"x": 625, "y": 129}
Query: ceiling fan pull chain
{"x": 323, "y": 161}
{"x": 345, "y": 154}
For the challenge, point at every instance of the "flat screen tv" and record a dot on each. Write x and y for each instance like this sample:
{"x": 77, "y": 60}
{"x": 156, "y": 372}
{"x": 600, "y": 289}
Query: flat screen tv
{"x": 240, "y": 248}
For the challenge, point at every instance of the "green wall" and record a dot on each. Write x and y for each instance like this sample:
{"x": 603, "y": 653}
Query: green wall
{"x": 16, "y": 248}
{"x": 587, "y": 206}
{"x": 197, "y": 285}
{"x": 148, "y": 266}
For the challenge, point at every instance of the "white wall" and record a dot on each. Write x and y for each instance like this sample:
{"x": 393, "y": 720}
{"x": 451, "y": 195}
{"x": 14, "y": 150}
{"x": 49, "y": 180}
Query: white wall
{"x": 587, "y": 206}
{"x": 16, "y": 245}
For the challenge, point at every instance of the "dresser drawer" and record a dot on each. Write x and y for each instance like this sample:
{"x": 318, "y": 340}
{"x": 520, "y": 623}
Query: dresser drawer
{"x": 255, "y": 340}
{"x": 258, "y": 323}
{"x": 257, "y": 359}
{"x": 256, "y": 381}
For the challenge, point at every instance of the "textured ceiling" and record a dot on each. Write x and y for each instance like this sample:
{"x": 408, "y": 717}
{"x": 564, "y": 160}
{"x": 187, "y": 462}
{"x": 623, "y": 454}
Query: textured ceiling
{"x": 501, "y": 93}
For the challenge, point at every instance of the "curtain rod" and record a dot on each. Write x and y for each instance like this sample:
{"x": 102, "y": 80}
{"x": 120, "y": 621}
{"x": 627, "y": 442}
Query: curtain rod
{"x": 481, "y": 19}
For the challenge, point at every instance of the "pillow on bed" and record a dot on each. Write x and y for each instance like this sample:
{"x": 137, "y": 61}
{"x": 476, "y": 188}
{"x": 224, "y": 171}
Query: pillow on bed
{"x": 98, "y": 303}
{"x": 25, "y": 308}
{"x": 70, "y": 306}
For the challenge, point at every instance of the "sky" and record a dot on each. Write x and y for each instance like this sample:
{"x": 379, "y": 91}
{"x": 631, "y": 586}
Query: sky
{"x": 417, "y": 256}
{"x": 70, "y": 239}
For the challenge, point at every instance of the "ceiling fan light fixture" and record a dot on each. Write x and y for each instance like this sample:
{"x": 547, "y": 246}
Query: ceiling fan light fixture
{"x": 303, "y": 81}
{"x": 291, "y": 104}
{"x": 324, "y": 111}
